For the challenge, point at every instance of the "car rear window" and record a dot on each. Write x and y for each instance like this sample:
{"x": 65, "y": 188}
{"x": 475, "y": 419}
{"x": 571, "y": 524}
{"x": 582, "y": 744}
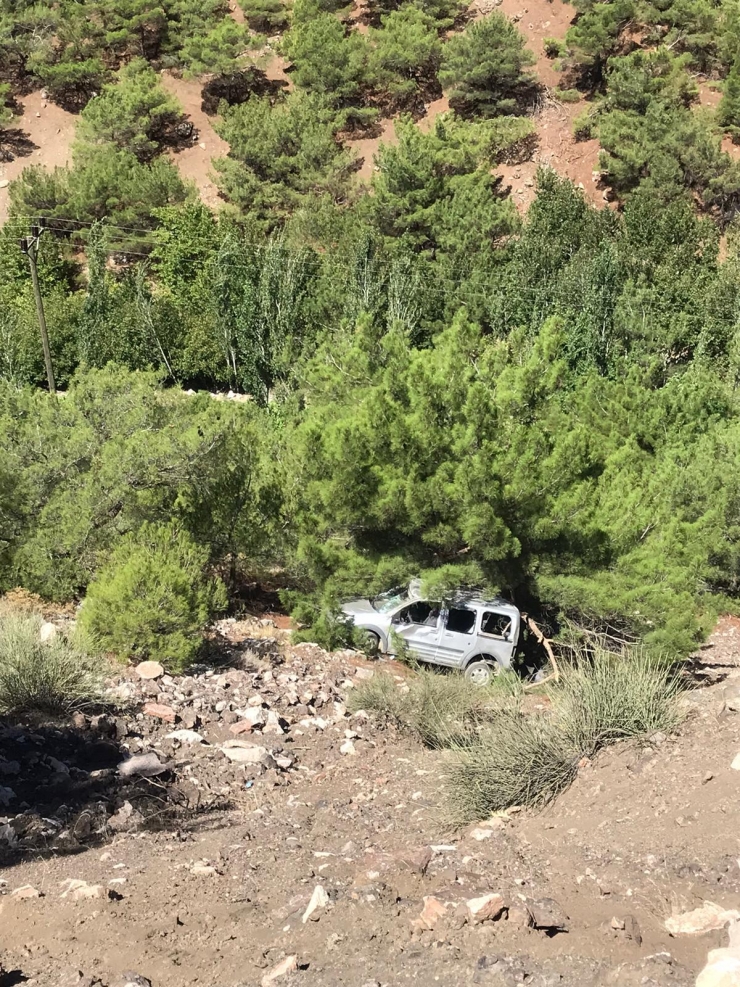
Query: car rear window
{"x": 460, "y": 620}
{"x": 495, "y": 624}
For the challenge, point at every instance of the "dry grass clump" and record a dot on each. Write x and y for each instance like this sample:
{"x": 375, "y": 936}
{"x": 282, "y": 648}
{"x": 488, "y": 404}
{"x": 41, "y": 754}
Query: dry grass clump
{"x": 43, "y": 676}
{"x": 502, "y": 756}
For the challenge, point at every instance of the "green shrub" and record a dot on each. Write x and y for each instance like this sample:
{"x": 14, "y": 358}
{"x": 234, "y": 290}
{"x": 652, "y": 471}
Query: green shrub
{"x": 43, "y": 676}
{"x": 152, "y": 599}
{"x": 554, "y": 47}
{"x": 380, "y": 695}
{"x": 566, "y": 95}
{"x": 611, "y": 697}
{"x": 443, "y": 711}
{"x": 583, "y": 125}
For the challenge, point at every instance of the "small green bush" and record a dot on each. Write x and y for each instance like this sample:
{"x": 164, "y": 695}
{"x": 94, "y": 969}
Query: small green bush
{"x": 566, "y": 95}
{"x": 583, "y": 125}
{"x": 43, "y": 676}
{"x": 380, "y": 695}
{"x": 152, "y": 599}
{"x": 554, "y": 47}
{"x": 443, "y": 711}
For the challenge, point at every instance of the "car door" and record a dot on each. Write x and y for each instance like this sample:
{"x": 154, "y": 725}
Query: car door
{"x": 457, "y": 636}
{"x": 418, "y": 624}
{"x": 497, "y": 635}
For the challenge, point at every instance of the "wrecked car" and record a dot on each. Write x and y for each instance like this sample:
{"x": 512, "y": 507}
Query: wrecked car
{"x": 475, "y": 635}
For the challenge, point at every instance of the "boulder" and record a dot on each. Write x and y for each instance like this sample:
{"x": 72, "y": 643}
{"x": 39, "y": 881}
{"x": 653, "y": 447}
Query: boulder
{"x": 697, "y": 922}
{"x": 723, "y": 965}
{"x": 150, "y": 670}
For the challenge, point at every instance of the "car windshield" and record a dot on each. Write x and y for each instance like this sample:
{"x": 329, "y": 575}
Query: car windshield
{"x": 392, "y": 598}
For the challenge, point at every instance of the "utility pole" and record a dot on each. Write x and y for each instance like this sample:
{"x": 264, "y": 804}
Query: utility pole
{"x": 30, "y": 247}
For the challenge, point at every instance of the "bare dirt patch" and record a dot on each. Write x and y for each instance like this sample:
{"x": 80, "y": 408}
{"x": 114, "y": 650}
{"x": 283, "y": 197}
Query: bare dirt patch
{"x": 537, "y": 20}
{"x": 43, "y": 136}
{"x": 557, "y": 149}
{"x": 195, "y": 162}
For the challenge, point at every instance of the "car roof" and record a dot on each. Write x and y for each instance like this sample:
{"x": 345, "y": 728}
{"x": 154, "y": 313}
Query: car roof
{"x": 472, "y": 600}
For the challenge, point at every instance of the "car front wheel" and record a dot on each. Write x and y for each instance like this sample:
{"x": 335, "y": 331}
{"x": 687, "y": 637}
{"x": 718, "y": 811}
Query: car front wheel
{"x": 481, "y": 672}
{"x": 369, "y": 642}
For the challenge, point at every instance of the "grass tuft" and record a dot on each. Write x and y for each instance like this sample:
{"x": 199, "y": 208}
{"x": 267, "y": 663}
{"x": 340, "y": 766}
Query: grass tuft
{"x": 443, "y": 711}
{"x": 613, "y": 697}
{"x": 518, "y": 760}
{"x": 43, "y": 677}
{"x": 529, "y": 759}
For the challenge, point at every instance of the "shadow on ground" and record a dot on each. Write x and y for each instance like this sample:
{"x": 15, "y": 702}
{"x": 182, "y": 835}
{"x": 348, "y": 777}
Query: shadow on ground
{"x": 61, "y": 791}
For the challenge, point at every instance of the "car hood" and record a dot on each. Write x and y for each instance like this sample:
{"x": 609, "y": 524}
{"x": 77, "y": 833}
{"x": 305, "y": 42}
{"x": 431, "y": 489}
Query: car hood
{"x": 354, "y": 607}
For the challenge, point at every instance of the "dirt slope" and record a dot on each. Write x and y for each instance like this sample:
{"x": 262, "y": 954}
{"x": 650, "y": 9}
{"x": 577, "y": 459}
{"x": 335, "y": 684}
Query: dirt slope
{"x": 42, "y": 136}
{"x": 218, "y": 897}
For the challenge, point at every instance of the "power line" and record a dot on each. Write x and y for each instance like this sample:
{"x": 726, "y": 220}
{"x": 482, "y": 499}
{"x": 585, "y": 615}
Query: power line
{"x": 436, "y": 284}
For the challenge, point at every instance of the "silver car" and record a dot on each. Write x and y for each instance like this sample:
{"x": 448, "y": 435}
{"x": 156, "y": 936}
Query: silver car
{"x": 474, "y": 635}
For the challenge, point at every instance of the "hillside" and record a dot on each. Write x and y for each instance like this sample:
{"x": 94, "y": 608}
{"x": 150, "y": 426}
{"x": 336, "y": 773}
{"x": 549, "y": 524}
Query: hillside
{"x": 214, "y": 888}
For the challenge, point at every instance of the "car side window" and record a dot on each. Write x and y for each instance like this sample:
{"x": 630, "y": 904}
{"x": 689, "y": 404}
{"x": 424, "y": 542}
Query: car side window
{"x": 460, "y": 620}
{"x": 419, "y": 612}
{"x": 495, "y": 624}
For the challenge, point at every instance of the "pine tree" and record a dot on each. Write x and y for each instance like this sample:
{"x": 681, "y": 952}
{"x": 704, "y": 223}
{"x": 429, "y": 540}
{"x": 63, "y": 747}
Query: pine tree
{"x": 133, "y": 113}
{"x": 483, "y": 69}
{"x": 728, "y": 111}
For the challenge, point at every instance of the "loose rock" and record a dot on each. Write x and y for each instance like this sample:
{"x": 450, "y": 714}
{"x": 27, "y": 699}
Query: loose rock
{"x": 150, "y": 670}
{"x": 288, "y": 965}
{"x": 145, "y": 765}
{"x": 126, "y": 820}
{"x": 25, "y": 892}
{"x": 486, "y": 908}
{"x": 160, "y": 711}
{"x": 319, "y": 900}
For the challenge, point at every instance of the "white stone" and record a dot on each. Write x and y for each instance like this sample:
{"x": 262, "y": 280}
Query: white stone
{"x": 273, "y": 723}
{"x": 79, "y": 890}
{"x": 186, "y": 737}
{"x": 254, "y": 715}
{"x": 700, "y": 920}
{"x": 288, "y": 965}
{"x": 150, "y": 670}
{"x": 723, "y": 965}
{"x": 242, "y": 752}
{"x": 347, "y": 748}
{"x": 319, "y": 899}
{"x": 48, "y": 631}
{"x": 736, "y": 763}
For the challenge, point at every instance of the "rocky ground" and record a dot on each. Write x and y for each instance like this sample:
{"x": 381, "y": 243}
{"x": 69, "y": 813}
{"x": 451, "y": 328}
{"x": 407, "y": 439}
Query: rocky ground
{"x": 239, "y": 827}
